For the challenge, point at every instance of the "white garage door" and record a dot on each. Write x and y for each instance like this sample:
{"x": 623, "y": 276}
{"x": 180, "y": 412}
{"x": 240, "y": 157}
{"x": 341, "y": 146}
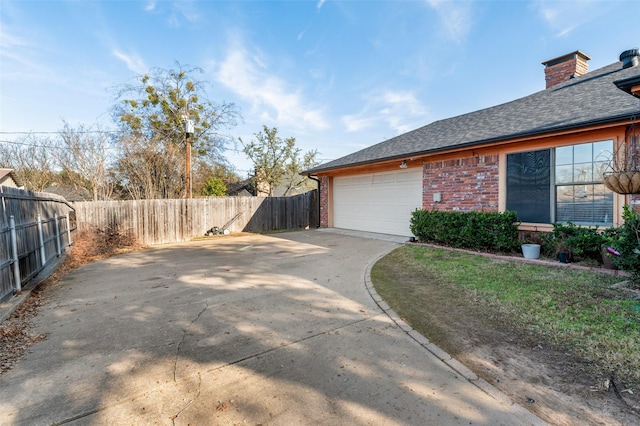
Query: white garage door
{"x": 377, "y": 202}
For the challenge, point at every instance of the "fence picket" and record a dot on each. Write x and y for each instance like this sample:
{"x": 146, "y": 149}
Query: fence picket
{"x": 30, "y": 244}
{"x": 166, "y": 221}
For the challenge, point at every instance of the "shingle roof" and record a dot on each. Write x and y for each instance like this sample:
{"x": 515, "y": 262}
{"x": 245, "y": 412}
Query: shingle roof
{"x": 9, "y": 172}
{"x": 592, "y": 98}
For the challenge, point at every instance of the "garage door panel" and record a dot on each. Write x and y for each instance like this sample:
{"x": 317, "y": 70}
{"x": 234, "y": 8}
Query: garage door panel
{"x": 377, "y": 202}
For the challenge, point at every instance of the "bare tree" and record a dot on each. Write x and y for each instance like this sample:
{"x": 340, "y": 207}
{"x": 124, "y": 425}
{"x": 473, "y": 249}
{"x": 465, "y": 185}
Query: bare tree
{"x": 84, "y": 159}
{"x": 32, "y": 160}
{"x": 149, "y": 168}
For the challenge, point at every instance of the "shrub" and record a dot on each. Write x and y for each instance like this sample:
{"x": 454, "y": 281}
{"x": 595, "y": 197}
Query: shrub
{"x": 627, "y": 243}
{"x": 475, "y": 230}
{"x": 583, "y": 241}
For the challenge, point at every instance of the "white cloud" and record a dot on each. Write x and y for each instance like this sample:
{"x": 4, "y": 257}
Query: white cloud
{"x": 399, "y": 110}
{"x": 183, "y": 10}
{"x": 358, "y": 122}
{"x": 271, "y": 97}
{"x": 565, "y": 17}
{"x": 456, "y": 17}
{"x": 133, "y": 61}
{"x": 320, "y": 3}
{"x": 150, "y": 6}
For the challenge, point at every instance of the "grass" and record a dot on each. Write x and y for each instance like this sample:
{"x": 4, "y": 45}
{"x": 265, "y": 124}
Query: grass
{"x": 568, "y": 308}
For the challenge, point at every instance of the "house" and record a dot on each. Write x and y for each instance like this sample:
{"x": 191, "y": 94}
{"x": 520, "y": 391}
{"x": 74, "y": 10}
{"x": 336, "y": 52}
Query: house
{"x": 9, "y": 178}
{"x": 541, "y": 156}
{"x": 243, "y": 188}
{"x": 69, "y": 192}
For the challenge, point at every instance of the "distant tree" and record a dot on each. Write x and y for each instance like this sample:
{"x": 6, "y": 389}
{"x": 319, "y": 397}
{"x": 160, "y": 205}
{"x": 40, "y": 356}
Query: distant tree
{"x": 276, "y": 160}
{"x": 152, "y": 114}
{"x": 30, "y": 157}
{"x": 148, "y": 168}
{"x": 202, "y": 171}
{"x": 84, "y": 159}
{"x": 214, "y": 187}
{"x": 293, "y": 180}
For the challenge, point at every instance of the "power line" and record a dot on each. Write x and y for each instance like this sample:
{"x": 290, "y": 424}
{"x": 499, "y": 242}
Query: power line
{"x": 61, "y": 131}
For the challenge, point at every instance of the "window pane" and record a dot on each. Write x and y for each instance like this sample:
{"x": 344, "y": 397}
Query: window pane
{"x": 583, "y": 153}
{"x": 583, "y": 172}
{"x": 564, "y": 174}
{"x": 564, "y": 194}
{"x": 598, "y": 169}
{"x": 602, "y": 151}
{"x": 564, "y": 155}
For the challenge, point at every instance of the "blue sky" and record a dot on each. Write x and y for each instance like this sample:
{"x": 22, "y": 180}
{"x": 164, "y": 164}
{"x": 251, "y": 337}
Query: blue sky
{"x": 336, "y": 75}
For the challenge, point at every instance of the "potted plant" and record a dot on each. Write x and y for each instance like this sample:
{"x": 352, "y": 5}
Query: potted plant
{"x": 564, "y": 251}
{"x": 622, "y": 173}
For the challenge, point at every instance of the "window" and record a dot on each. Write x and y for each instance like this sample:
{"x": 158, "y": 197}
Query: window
{"x": 528, "y": 185}
{"x": 560, "y": 185}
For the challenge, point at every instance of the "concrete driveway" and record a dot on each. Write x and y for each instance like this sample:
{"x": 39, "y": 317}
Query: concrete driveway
{"x": 271, "y": 330}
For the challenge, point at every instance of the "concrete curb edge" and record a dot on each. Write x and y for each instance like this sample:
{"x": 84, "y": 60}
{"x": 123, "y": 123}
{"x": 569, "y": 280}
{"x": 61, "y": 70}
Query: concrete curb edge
{"x": 453, "y": 363}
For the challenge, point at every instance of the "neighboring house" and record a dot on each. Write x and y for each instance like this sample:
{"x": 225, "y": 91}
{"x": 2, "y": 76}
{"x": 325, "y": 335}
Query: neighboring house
{"x": 241, "y": 189}
{"x": 9, "y": 178}
{"x": 541, "y": 156}
{"x": 69, "y": 192}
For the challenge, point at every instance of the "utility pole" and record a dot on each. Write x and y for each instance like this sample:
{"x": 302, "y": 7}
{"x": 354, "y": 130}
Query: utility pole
{"x": 188, "y": 127}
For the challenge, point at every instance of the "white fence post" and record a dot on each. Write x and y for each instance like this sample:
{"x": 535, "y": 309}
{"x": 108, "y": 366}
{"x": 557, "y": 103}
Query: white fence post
{"x": 14, "y": 253}
{"x": 58, "y": 246}
{"x": 68, "y": 230}
{"x": 43, "y": 259}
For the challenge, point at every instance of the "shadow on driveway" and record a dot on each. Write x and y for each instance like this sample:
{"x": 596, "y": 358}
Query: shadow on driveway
{"x": 257, "y": 329}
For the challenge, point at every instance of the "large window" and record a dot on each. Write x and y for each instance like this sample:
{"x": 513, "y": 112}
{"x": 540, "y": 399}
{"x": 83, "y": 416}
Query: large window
{"x": 560, "y": 185}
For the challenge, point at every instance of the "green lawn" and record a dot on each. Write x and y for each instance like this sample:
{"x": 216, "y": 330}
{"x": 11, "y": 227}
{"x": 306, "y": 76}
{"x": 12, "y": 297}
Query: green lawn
{"x": 566, "y": 307}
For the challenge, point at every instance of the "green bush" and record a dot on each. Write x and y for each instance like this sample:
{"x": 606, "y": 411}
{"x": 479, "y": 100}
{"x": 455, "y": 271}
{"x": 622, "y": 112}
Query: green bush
{"x": 627, "y": 243}
{"x": 475, "y": 230}
{"x": 582, "y": 241}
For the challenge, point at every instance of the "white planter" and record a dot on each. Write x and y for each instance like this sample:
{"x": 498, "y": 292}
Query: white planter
{"x": 531, "y": 251}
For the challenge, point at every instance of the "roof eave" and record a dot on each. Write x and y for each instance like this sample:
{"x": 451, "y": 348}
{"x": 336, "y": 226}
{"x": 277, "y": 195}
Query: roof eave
{"x": 502, "y": 139}
{"x": 629, "y": 85}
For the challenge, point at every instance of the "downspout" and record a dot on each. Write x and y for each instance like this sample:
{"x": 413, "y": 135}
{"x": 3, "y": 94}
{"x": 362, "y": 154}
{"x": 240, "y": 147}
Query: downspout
{"x": 319, "y": 205}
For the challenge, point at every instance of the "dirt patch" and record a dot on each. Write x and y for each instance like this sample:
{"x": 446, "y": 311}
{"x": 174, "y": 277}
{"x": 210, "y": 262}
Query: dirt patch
{"x": 552, "y": 382}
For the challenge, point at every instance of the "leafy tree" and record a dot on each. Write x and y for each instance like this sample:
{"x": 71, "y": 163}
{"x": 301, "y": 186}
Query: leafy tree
{"x": 277, "y": 161}
{"x": 293, "y": 178}
{"x": 202, "y": 171}
{"x": 214, "y": 187}
{"x": 151, "y": 114}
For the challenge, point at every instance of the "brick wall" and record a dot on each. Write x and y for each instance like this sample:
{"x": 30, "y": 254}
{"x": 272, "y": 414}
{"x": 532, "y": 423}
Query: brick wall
{"x": 324, "y": 202}
{"x": 465, "y": 184}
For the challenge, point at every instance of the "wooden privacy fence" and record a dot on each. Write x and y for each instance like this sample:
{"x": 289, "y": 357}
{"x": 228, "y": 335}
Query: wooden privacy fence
{"x": 35, "y": 229}
{"x": 167, "y": 221}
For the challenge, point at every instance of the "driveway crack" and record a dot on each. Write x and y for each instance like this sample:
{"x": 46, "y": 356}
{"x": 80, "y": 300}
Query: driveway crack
{"x": 191, "y": 401}
{"x": 184, "y": 335}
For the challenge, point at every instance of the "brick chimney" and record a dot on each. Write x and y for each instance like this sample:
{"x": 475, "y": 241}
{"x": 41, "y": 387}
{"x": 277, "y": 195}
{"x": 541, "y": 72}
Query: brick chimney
{"x": 563, "y": 68}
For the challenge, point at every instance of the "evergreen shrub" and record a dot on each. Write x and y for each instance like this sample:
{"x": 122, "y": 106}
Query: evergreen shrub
{"x": 474, "y": 230}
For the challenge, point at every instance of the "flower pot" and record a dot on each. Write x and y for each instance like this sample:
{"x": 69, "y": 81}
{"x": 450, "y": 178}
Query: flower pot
{"x": 623, "y": 182}
{"x": 531, "y": 251}
{"x": 563, "y": 257}
{"x": 607, "y": 260}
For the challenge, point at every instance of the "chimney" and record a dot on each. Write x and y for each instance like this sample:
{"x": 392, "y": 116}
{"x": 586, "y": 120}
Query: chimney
{"x": 565, "y": 67}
